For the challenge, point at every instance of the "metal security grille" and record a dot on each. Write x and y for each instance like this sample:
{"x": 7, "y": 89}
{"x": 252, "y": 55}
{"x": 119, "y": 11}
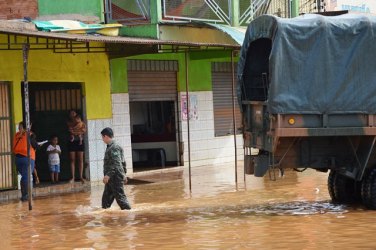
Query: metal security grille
{"x": 6, "y": 171}
{"x": 128, "y": 11}
{"x": 222, "y": 100}
{"x": 250, "y": 9}
{"x": 279, "y": 8}
{"x": 56, "y": 100}
{"x": 203, "y": 10}
{"x": 308, "y": 6}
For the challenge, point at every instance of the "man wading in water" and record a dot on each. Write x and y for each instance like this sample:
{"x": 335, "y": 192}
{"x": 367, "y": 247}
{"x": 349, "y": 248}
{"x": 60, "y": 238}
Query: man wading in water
{"x": 114, "y": 172}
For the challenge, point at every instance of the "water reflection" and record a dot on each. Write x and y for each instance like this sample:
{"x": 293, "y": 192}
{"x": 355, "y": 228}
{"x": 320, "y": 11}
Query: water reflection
{"x": 296, "y": 208}
{"x": 293, "y": 212}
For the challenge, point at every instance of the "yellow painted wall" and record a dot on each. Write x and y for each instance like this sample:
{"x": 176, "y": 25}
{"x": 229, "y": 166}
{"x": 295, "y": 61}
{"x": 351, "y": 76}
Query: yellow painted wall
{"x": 91, "y": 70}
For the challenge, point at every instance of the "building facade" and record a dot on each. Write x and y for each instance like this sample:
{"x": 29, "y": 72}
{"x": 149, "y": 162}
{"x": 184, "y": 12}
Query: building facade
{"x": 172, "y": 106}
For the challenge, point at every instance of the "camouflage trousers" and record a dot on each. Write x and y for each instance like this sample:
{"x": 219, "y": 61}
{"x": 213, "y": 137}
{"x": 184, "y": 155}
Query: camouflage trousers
{"x": 114, "y": 189}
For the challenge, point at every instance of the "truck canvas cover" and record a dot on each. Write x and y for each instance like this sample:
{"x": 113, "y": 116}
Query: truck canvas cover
{"x": 315, "y": 64}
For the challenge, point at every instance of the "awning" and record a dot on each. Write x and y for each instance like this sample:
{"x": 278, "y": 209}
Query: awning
{"x": 115, "y": 46}
{"x": 236, "y": 33}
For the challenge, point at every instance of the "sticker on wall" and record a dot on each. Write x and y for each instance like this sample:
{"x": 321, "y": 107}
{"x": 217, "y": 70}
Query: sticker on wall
{"x": 193, "y": 107}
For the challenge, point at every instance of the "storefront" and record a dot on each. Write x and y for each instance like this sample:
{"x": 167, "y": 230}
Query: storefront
{"x": 153, "y": 111}
{"x": 79, "y": 72}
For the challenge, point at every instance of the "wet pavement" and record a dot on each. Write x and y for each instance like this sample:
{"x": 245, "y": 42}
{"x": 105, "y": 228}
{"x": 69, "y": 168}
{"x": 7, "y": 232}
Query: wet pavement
{"x": 293, "y": 212}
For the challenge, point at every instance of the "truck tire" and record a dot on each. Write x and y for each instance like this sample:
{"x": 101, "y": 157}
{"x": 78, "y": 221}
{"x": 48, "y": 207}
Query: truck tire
{"x": 343, "y": 189}
{"x": 368, "y": 190}
{"x": 331, "y": 178}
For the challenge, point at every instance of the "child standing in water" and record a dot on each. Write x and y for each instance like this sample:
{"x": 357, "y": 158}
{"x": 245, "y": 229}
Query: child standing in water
{"x": 53, "y": 151}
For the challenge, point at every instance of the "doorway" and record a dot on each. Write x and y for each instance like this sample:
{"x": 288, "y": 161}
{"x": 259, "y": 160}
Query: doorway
{"x": 152, "y": 88}
{"x": 49, "y": 107}
{"x": 153, "y": 134}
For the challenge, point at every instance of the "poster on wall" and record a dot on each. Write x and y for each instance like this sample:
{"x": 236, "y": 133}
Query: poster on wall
{"x": 353, "y": 6}
{"x": 193, "y": 107}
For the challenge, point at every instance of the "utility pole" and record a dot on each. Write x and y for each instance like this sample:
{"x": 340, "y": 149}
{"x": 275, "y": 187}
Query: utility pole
{"x": 25, "y": 53}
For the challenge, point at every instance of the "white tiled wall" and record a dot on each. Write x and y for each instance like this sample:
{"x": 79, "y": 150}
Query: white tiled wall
{"x": 96, "y": 147}
{"x": 121, "y": 126}
{"x": 206, "y": 149}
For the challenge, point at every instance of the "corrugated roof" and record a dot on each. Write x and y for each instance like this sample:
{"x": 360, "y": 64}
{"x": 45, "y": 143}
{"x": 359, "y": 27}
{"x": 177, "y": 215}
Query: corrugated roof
{"x": 108, "y": 39}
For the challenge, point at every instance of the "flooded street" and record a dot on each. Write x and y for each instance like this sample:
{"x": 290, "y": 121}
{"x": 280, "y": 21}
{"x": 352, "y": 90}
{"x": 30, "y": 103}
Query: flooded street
{"x": 293, "y": 212}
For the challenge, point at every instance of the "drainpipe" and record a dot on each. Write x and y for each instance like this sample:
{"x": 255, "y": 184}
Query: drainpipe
{"x": 294, "y": 8}
{"x": 25, "y": 53}
{"x": 234, "y": 13}
{"x": 188, "y": 111}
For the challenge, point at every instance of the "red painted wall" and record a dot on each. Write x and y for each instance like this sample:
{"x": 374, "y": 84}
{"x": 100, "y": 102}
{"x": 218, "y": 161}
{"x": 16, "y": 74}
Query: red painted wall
{"x": 13, "y": 9}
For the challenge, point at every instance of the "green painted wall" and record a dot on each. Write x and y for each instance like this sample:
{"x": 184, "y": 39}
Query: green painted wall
{"x": 199, "y": 69}
{"x": 83, "y": 7}
{"x": 119, "y": 75}
{"x": 200, "y": 77}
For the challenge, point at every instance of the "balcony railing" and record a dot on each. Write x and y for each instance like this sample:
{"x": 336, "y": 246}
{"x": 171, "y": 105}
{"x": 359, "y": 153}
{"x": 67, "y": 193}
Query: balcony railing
{"x": 127, "y": 11}
{"x": 249, "y": 10}
{"x": 280, "y": 8}
{"x": 312, "y": 6}
{"x": 215, "y": 11}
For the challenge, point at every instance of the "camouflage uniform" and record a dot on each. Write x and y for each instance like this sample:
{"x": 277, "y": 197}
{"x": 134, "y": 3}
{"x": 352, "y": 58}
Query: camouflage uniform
{"x": 114, "y": 167}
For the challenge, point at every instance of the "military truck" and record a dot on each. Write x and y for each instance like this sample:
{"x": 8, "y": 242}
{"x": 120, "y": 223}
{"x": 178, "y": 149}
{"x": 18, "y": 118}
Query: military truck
{"x": 307, "y": 92}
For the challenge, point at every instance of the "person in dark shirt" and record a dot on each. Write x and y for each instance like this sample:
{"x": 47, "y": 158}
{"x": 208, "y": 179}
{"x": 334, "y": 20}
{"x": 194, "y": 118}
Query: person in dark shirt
{"x": 114, "y": 171}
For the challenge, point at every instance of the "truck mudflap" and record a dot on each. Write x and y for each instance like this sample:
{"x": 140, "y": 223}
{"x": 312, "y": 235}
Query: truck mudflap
{"x": 261, "y": 165}
{"x": 256, "y": 165}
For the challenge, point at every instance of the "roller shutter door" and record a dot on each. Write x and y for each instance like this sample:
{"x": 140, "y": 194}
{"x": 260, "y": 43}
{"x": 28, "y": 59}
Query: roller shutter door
{"x": 152, "y": 80}
{"x": 222, "y": 100}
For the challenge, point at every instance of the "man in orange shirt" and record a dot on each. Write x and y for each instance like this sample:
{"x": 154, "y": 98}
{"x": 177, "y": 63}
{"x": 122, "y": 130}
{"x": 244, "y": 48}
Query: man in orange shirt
{"x": 20, "y": 150}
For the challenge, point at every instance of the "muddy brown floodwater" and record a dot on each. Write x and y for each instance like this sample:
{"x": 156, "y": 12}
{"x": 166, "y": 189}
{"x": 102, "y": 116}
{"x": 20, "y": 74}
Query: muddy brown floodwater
{"x": 293, "y": 212}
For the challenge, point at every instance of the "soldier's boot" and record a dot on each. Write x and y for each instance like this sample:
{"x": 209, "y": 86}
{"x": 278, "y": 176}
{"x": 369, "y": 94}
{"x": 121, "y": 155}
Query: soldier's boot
{"x": 125, "y": 204}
